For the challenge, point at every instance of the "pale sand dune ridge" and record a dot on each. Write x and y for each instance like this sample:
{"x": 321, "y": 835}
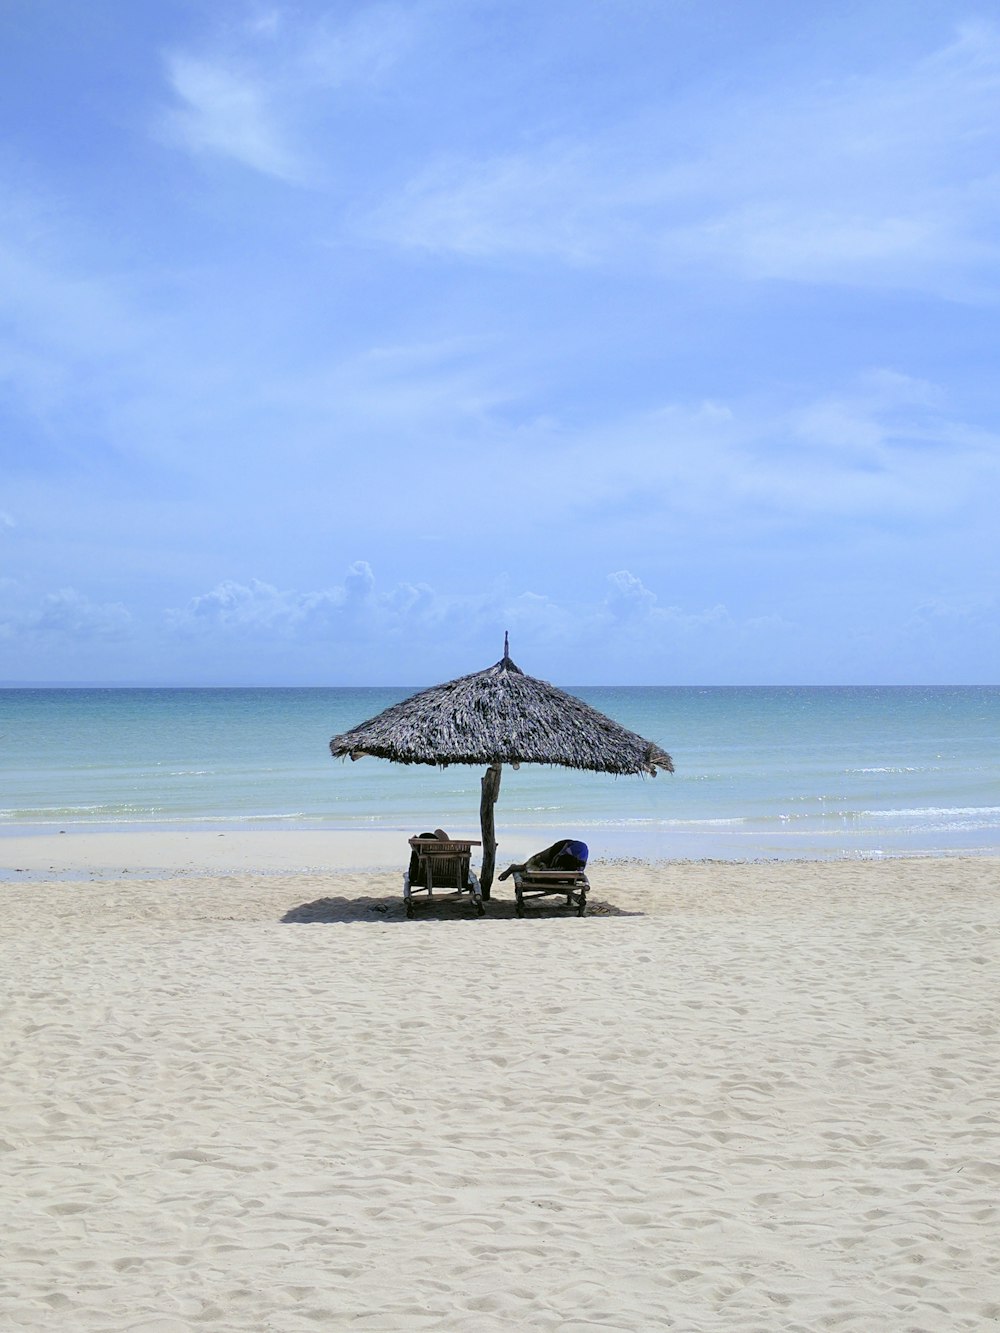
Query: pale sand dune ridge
{"x": 736, "y": 1097}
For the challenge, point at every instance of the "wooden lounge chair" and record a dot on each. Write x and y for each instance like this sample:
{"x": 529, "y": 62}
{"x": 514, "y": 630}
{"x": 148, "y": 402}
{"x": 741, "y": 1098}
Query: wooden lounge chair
{"x": 442, "y": 868}
{"x": 539, "y": 883}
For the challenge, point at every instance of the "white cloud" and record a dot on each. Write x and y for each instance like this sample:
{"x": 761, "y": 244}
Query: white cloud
{"x": 357, "y": 631}
{"x": 359, "y": 585}
{"x": 259, "y": 608}
{"x": 630, "y": 604}
{"x": 256, "y": 607}
{"x": 627, "y": 611}
{"x": 628, "y": 598}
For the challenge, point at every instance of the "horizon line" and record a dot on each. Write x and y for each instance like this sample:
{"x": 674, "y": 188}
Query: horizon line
{"x": 609, "y": 685}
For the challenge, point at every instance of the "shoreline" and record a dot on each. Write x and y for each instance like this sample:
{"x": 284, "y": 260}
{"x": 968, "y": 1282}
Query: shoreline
{"x": 146, "y": 852}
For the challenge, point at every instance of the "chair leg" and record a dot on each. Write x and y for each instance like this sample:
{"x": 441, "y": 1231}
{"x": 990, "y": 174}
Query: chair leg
{"x": 477, "y": 894}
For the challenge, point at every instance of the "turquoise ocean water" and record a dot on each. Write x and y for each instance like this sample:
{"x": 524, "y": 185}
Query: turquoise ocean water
{"x": 761, "y": 772}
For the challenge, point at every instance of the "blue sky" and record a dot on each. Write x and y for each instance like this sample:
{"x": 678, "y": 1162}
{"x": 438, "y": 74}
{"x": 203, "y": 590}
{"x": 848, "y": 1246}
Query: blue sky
{"x": 336, "y": 339}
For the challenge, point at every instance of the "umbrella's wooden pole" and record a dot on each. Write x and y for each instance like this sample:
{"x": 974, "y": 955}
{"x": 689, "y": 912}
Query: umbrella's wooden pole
{"x": 491, "y": 790}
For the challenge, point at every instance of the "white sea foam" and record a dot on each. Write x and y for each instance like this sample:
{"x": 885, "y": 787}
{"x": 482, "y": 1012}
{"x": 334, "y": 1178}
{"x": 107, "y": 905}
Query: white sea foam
{"x": 908, "y": 768}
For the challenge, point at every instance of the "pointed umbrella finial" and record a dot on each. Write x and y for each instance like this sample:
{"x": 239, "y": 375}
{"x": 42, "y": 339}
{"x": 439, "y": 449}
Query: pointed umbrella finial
{"x": 506, "y": 647}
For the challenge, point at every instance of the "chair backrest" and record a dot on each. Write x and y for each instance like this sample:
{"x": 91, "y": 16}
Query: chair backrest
{"x": 443, "y": 864}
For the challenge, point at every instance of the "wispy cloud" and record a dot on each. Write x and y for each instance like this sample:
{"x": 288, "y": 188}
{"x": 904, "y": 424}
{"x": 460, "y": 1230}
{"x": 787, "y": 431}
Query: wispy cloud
{"x": 880, "y": 450}
{"x": 70, "y": 616}
{"x": 654, "y": 301}
{"x": 562, "y": 201}
{"x": 228, "y": 113}
{"x": 879, "y": 180}
{"x": 76, "y": 337}
{"x": 361, "y": 49}
{"x": 258, "y": 93}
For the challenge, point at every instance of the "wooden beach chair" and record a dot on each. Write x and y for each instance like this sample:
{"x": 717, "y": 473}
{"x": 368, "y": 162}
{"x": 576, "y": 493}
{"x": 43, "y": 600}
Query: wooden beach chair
{"x": 442, "y": 868}
{"x": 540, "y": 883}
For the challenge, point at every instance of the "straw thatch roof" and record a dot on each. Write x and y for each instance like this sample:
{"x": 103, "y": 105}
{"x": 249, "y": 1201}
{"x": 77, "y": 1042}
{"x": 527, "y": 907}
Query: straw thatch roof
{"x": 501, "y": 716}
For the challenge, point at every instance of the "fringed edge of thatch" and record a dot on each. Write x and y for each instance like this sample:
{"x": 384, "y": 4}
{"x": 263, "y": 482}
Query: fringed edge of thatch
{"x": 531, "y": 721}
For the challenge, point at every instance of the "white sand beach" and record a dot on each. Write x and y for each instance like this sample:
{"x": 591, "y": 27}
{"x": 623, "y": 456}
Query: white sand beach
{"x": 247, "y": 1094}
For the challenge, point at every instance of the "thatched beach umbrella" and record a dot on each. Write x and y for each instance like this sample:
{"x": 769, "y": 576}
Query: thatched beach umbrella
{"x": 494, "y": 717}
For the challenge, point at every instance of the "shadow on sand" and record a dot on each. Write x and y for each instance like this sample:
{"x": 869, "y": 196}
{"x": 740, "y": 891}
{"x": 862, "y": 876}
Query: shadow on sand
{"x": 379, "y": 911}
